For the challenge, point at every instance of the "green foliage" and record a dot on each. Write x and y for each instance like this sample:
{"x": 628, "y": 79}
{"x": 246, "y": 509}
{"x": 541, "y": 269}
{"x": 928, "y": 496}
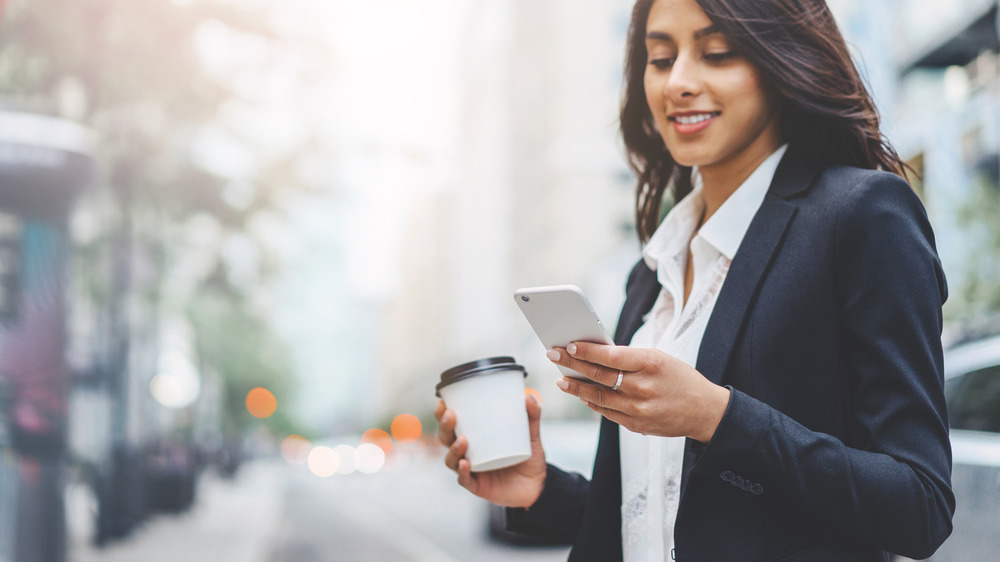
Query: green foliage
{"x": 240, "y": 346}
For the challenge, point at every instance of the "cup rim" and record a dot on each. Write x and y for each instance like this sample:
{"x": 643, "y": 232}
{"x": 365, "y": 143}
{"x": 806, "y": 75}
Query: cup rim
{"x": 475, "y": 368}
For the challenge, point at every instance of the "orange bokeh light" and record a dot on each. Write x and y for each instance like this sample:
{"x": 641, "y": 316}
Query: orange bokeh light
{"x": 378, "y": 437}
{"x": 295, "y": 449}
{"x": 261, "y": 403}
{"x": 405, "y": 428}
{"x": 535, "y": 393}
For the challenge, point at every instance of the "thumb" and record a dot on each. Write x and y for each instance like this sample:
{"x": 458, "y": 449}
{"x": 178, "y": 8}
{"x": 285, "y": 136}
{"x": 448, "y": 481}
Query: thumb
{"x": 534, "y": 408}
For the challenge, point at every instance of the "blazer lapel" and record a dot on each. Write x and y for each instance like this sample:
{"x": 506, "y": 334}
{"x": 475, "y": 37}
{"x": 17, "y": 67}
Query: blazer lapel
{"x": 751, "y": 262}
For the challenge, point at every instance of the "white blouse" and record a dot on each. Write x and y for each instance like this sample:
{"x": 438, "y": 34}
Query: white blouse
{"x": 651, "y": 466}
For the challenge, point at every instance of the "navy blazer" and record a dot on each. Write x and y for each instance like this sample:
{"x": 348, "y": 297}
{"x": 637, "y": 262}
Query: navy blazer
{"x": 834, "y": 445}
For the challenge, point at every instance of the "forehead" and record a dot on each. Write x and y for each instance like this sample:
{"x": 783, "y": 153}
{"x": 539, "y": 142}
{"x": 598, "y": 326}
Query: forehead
{"x": 676, "y": 17}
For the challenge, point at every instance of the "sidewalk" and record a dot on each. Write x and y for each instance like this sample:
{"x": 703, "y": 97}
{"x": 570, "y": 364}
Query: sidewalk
{"x": 232, "y": 520}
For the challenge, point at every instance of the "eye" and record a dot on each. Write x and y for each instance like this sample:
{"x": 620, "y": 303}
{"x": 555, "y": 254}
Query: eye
{"x": 662, "y": 64}
{"x": 720, "y": 57}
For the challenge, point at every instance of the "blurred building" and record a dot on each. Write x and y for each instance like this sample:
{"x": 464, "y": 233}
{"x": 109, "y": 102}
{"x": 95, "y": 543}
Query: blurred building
{"x": 541, "y": 195}
{"x": 948, "y": 127}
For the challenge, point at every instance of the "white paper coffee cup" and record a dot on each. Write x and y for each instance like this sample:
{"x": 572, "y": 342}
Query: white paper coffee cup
{"x": 488, "y": 399}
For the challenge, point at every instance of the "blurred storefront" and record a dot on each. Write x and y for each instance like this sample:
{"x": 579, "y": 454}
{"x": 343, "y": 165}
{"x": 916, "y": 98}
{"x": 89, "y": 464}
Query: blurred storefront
{"x": 45, "y": 163}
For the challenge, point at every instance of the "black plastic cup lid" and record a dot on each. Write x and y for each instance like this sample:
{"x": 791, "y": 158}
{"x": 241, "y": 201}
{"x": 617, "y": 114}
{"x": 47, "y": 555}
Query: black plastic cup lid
{"x": 475, "y": 368}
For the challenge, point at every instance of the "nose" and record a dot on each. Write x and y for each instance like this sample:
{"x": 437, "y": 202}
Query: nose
{"x": 684, "y": 79}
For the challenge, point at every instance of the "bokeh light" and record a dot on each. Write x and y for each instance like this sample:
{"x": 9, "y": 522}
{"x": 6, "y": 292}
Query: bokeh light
{"x": 261, "y": 403}
{"x": 405, "y": 428}
{"x": 323, "y": 461}
{"x": 177, "y": 383}
{"x": 532, "y": 392}
{"x": 295, "y": 449}
{"x": 346, "y": 455}
{"x": 369, "y": 458}
{"x": 378, "y": 437}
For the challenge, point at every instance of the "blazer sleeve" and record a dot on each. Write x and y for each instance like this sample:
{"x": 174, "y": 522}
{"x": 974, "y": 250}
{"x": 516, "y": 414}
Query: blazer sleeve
{"x": 558, "y": 512}
{"x": 892, "y": 488}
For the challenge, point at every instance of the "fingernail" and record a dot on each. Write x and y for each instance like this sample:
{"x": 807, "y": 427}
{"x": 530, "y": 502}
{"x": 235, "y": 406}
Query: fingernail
{"x": 571, "y": 348}
{"x": 563, "y": 384}
{"x": 552, "y": 354}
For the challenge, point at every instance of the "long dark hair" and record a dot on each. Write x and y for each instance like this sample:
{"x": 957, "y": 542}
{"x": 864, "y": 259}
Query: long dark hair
{"x": 826, "y": 114}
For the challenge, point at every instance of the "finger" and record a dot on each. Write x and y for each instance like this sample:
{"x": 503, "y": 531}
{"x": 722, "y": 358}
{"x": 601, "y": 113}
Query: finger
{"x": 614, "y": 357}
{"x": 619, "y": 418}
{"x": 446, "y": 428}
{"x": 466, "y": 478}
{"x": 456, "y": 453}
{"x": 597, "y": 373}
{"x": 534, "y": 416}
{"x": 439, "y": 410}
{"x": 596, "y": 394}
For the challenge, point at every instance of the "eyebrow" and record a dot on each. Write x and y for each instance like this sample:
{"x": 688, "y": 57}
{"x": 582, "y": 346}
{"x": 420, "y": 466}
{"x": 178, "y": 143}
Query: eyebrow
{"x": 703, "y": 32}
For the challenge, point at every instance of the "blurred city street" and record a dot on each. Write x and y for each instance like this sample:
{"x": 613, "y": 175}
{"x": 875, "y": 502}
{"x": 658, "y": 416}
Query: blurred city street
{"x": 233, "y": 228}
{"x": 274, "y": 512}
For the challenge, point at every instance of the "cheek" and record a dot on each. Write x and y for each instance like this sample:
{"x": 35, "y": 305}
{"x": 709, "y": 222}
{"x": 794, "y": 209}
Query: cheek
{"x": 746, "y": 88}
{"x": 653, "y": 96}
{"x": 656, "y": 104}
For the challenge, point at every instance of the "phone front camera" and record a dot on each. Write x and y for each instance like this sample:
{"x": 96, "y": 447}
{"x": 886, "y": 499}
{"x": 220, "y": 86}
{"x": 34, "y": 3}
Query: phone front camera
{"x": 525, "y": 298}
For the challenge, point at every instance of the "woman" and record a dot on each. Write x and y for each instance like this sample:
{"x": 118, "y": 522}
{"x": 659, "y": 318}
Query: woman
{"x": 776, "y": 390}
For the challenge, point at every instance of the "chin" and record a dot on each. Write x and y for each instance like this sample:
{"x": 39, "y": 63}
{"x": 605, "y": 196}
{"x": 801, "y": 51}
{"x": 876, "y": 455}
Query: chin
{"x": 689, "y": 153}
{"x": 687, "y": 158}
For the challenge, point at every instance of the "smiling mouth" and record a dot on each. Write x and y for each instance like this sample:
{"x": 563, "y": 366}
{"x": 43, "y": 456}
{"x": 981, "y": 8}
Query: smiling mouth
{"x": 693, "y": 119}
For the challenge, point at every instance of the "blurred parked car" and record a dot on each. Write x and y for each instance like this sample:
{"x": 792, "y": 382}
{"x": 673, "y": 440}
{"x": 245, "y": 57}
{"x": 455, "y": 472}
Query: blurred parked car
{"x": 171, "y": 473}
{"x": 972, "y": 389}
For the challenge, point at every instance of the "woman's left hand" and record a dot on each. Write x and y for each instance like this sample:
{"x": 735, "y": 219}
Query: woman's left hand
{"x": 659, "y": 394}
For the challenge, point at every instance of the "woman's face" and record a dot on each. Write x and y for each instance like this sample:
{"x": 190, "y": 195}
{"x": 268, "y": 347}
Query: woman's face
{"x": 709, "y": 103}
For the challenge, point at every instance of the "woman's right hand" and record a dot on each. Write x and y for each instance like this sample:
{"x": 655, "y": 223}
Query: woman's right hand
{"x": 514, "y": 486}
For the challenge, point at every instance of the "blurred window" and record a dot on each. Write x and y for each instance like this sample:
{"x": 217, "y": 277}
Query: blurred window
{"x": 974, "y": 400}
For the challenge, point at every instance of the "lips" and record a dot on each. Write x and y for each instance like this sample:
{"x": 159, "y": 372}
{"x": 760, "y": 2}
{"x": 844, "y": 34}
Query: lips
{"x": 691, "y": 122}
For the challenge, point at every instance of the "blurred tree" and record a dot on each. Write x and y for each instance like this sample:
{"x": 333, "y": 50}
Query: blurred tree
{"x": 131, "y": 71}
{"x": 980, "y": 303}
{"x": 255, "y": 358}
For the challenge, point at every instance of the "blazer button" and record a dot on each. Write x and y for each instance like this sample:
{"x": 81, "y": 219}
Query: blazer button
{"x": 727, "y": 476}
{"x": 746, "y": 486}
{"x": 738, "y": 481}
{"x": 756, "y": 489}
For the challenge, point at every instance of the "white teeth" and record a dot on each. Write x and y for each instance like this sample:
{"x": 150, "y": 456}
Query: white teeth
{"x": 692, "y": 119}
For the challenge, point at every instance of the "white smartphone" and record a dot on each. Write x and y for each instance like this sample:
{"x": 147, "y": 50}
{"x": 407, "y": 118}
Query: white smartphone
{"x": 561, "y": 315}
